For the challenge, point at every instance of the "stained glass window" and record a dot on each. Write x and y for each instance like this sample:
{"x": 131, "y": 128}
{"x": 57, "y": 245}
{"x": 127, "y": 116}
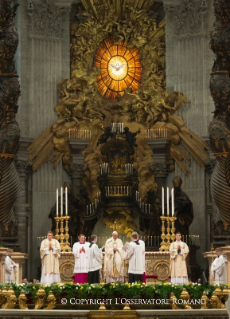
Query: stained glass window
{"x": 120, "y": 68}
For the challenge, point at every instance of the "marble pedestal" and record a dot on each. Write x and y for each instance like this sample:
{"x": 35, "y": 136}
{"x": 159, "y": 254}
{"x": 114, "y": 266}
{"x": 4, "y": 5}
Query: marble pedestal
{"x": 18, "y": 258}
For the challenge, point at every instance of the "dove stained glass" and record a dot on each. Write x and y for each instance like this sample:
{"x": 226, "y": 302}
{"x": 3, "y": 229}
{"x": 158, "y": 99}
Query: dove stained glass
{"x": 120, "y": 68}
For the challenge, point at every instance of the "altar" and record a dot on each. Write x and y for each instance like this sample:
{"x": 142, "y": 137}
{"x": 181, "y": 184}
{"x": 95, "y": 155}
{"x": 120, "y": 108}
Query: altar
{"x": 156, "y": 263}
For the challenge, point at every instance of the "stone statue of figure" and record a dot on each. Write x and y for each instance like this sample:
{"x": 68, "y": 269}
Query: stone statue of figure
{"x": 76, "y": 208}
{"x": 183, "y": 208}
{"x": 153, "y": 226}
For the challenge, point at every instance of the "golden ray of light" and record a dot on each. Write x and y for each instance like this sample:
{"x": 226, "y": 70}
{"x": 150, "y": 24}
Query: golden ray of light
{"x": 120, "y": 68}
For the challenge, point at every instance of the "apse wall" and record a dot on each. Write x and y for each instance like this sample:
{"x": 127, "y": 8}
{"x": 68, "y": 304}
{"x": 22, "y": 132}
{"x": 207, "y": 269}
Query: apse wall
{"x": 42, "y": 60}
{"x": 189, "y": 62}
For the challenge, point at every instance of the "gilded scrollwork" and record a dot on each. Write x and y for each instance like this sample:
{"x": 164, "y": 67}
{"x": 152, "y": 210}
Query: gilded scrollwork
{"x": 81, "y": 105}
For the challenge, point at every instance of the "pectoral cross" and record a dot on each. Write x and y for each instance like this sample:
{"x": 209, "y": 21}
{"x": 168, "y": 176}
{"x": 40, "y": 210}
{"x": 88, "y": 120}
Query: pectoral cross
{"x": 115, "y": 226}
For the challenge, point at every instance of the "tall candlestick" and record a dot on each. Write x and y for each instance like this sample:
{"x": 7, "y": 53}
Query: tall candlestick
{"x": 66, "y": 202}
{"x": 61, "y": 201}
{"x": 167, "y": 201}
{"x": 172, "y": 201}
{"x": 57, "y": 202}
{"x": 163, "y": 202}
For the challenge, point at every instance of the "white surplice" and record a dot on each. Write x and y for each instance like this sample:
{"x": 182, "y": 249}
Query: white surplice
{"x": 142, "y": 243}
{"x": 10, "y": 268}
{"x": 135, "y": 255}
{"x": 218, "y": 270}
{"x": 81, "y": 258}
{"x": 95, "y": 258}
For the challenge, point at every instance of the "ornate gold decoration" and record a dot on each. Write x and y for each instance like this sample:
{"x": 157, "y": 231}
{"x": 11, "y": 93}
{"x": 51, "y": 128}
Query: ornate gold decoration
{"x": 214, "y": 300}
{"x": 161, "y": 269}
{"x": 185, "y": 297}
{"x": 204, "y": 301}
{"x": 3, "y": 294}
{"x": 120, "y": 68}
{"x": 11, "y": 299}
{"x": 173, "y": 229}
{"x": 22, "y": 301}
{"x": 41, "y": 296}
{"x": 173, "y": 301}
{"x": 66, "y": 236}
{"x": 123, "y": 217}
{"x": 102, "y": 307}
{"x": 81, "y": 105}
{"x": 163, "y": 246}
{"x": 218, "y": 293}
{"x": 57, "y": 219}
{"x": 225, "y": 293}
{"x": 67, "y": 270}
{"x": 126, "y": 307}
{"x": 51, "y": 300}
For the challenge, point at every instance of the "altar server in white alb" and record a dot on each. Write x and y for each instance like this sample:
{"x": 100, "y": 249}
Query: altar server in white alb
{"x": 142, "y": 243}
{"x": 81, "y": 254}
{"x": 135, "y": 252}
{"x": 218, "y": 268}
{"x": 114, "y": 259}
{"x": 50, "y": 252}
{"x": 10, "y": 269}
{"x": 178, "y": 253}
{"x": 95, "y": 261}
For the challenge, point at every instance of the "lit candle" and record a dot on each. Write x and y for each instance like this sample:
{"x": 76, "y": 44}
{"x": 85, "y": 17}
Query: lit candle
{"x": 163, "y": 202}
{"x": 61, "y": 201}
{"x": 167, "y": 201}
{"x": 57, "y": 201}
{"x": 66, "y": 202}
{"x": 172, "y": 201}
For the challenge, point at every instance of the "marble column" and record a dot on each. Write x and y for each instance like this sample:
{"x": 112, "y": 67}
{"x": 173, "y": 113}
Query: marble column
{"x": 43, "y": 60}
{"x": 22, "y": 207}
{"x": 188, "y": 65}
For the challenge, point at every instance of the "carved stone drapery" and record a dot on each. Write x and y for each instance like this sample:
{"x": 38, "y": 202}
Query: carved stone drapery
{"x": 46, "y": 19}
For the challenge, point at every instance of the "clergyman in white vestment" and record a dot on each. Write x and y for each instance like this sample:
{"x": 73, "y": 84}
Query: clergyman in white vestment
{"x": 135, "y": 252}
{"x": 50, "y": 253}
{"x": 178, "y": 253}
{"x": 114, "y": 259}
{"x": 10, "y": 269}
{"x": 81, "y": 254}
{"x": 218, "y": 268}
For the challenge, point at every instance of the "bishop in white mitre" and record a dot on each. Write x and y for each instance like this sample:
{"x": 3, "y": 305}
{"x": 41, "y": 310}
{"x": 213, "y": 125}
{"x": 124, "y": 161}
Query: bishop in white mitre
{"x": 10, "y": 269}
{"x": 218, "y": 268}
{"x": 114, "y": 259}
{"x": 135, "y": 253}
{"x": 178, "y": 253}
{"x": 81, "y": 254}
{"x": 50, "y": 252}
